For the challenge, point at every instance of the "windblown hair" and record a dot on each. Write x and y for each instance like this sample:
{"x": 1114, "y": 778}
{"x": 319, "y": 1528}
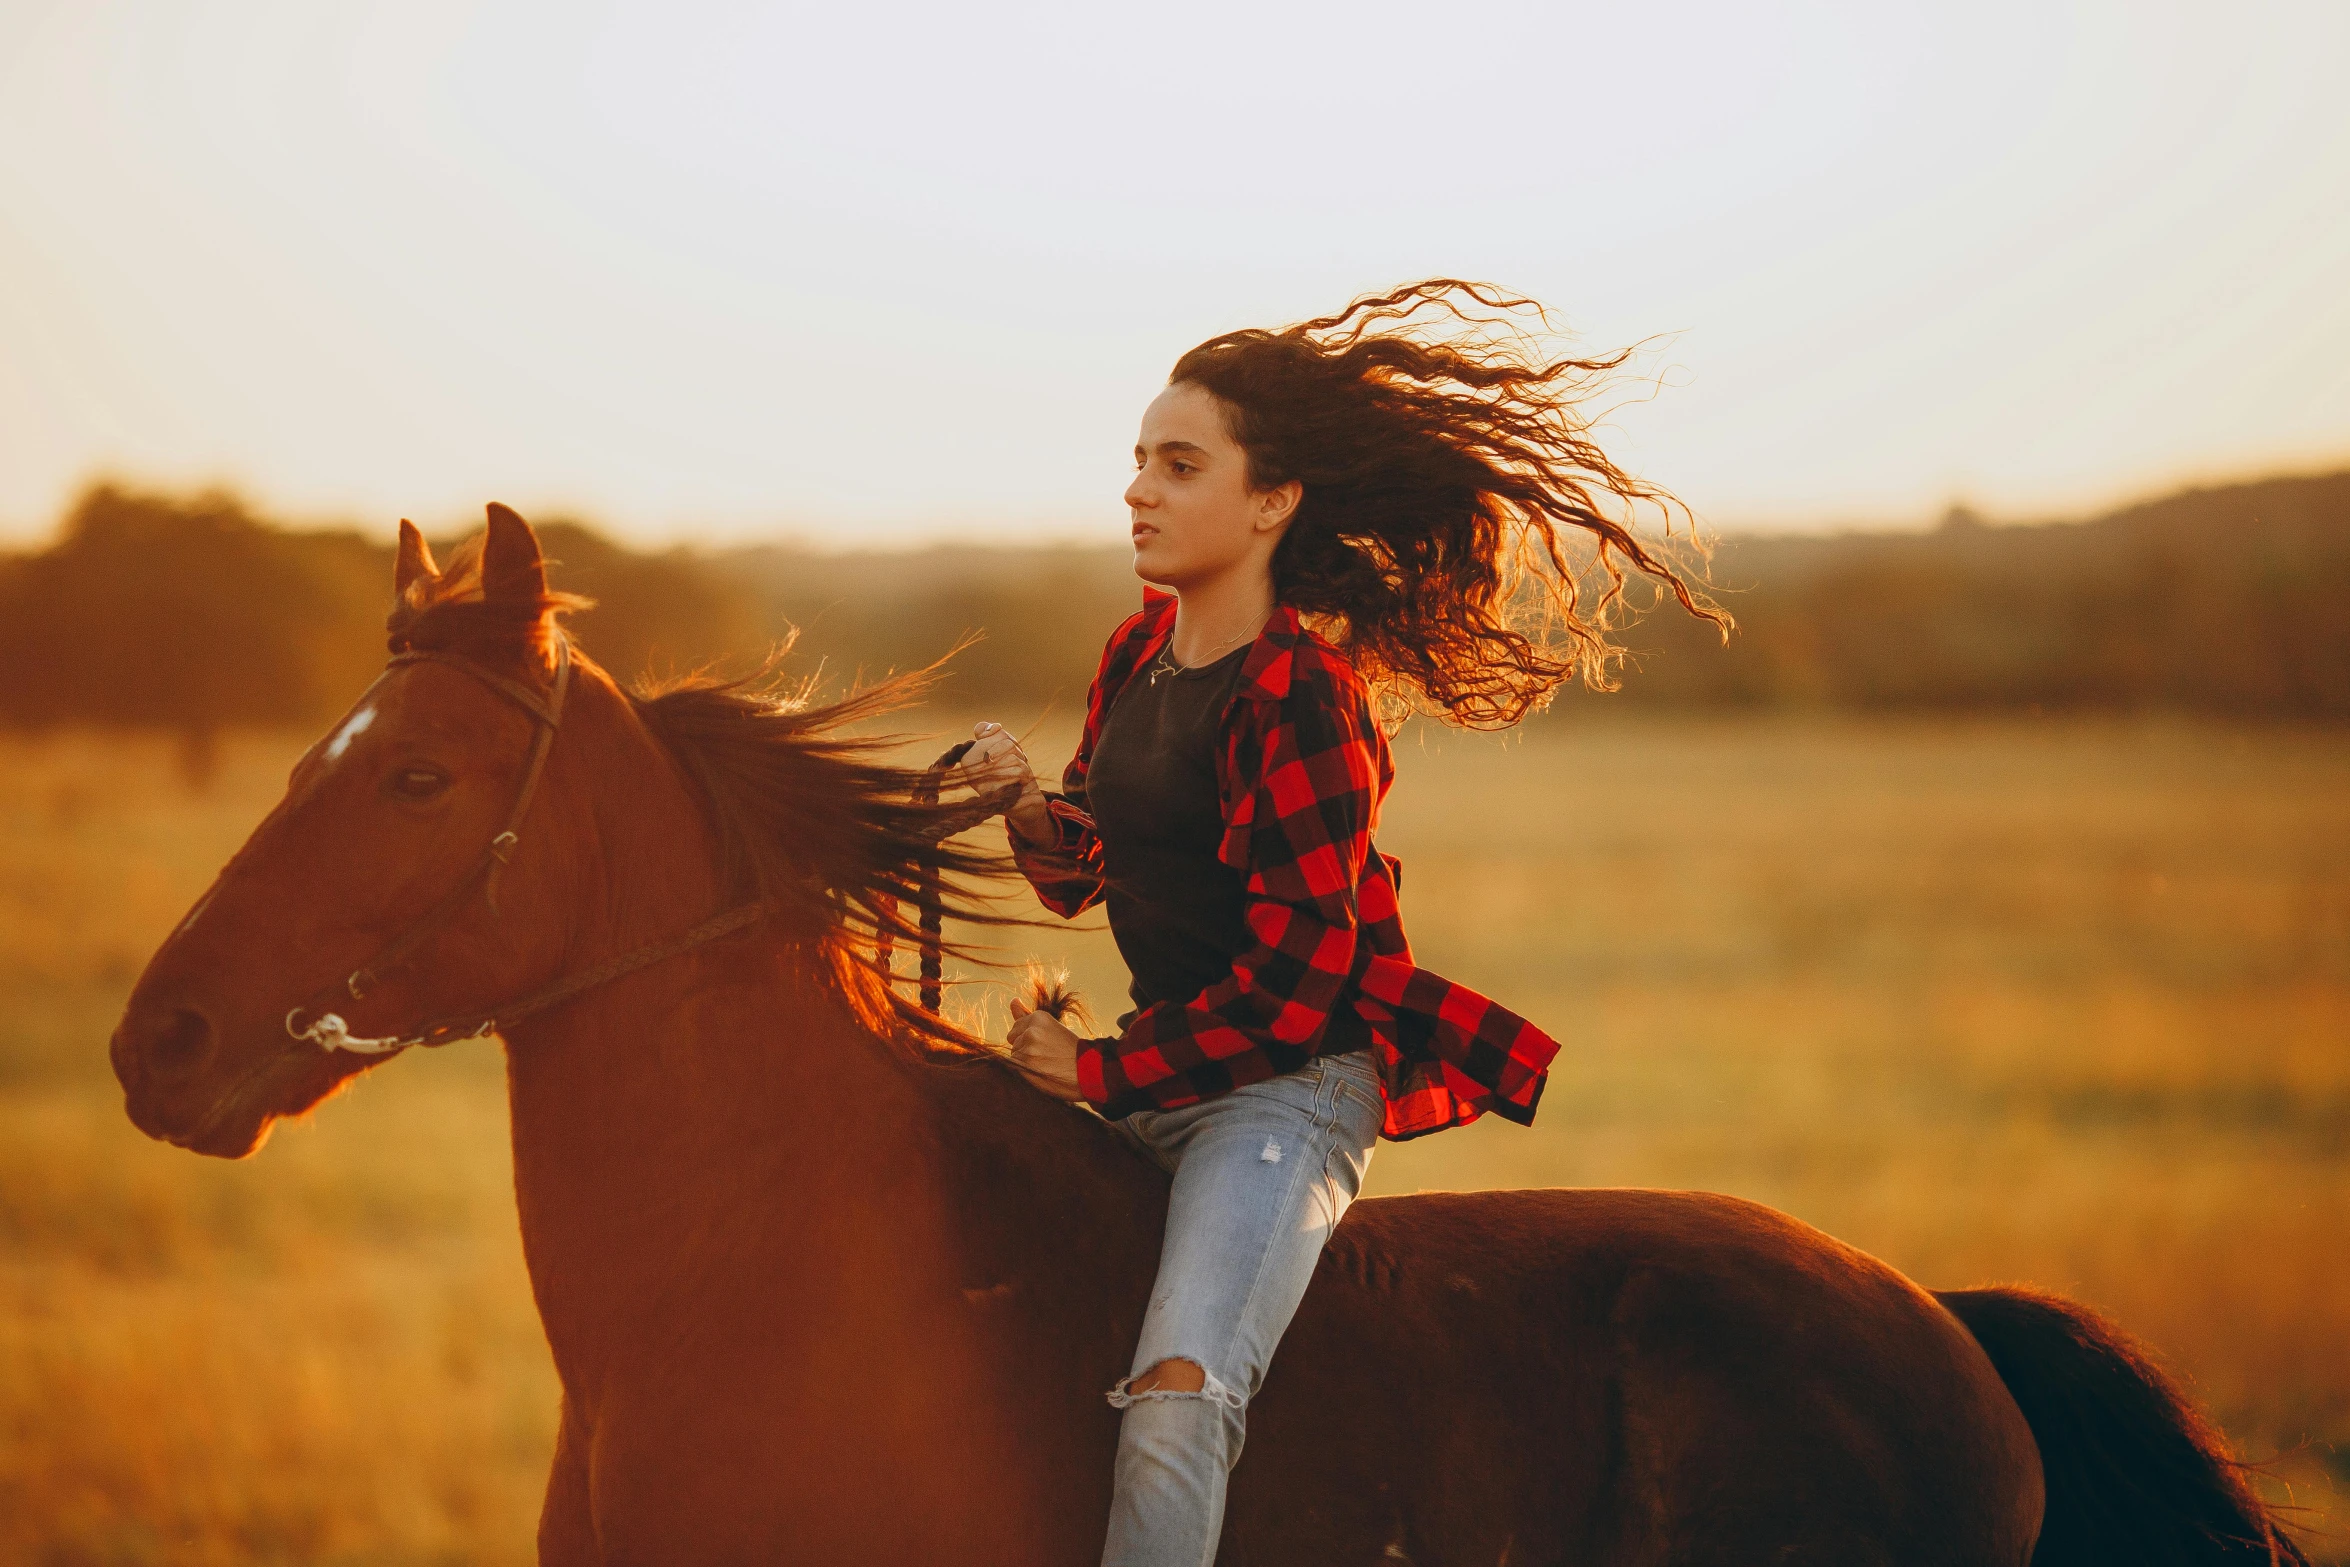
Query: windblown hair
{"x": 1446, "y": 466}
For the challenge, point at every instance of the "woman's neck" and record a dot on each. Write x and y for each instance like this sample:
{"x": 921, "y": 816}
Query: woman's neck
{"x": 1214, "y": 616}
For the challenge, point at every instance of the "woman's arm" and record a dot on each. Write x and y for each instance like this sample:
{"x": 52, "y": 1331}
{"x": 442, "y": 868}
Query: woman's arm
{"x": 1063, "y": 862}
{"x": 1310, "y": 770}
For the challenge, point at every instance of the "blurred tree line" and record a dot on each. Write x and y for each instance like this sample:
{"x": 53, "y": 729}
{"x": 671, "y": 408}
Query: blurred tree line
{"x": 2234, "y": 600}
{"x": 192, "y": 613}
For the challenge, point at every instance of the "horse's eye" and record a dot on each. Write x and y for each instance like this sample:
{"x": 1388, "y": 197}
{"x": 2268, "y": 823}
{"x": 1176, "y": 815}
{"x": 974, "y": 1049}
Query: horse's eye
{"x": 416, "y": 783}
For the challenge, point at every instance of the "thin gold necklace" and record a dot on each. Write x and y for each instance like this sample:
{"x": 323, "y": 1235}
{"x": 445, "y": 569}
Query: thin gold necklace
{"x": 1166, "y": 664}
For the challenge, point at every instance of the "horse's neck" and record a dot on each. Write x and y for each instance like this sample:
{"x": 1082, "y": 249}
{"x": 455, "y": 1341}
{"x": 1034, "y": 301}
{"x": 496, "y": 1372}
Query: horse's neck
{"x": 726, "y": 1122}
{"x": 654, "y": 1115}
{"x": 657, "y": 1125}
{"x": 723, "y": 1124}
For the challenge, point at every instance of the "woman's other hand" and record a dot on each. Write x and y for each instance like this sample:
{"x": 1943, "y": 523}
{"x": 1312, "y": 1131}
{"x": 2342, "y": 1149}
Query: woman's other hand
{"x": 995, "y": 760}
{"x": 1045, "y": 1051}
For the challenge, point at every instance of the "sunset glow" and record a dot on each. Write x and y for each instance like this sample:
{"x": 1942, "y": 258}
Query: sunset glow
{"x": 864, "y": 273}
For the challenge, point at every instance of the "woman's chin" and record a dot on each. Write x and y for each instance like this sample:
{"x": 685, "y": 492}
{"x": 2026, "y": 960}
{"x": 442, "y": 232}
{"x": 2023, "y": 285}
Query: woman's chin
{"x": 1152, "y": 563}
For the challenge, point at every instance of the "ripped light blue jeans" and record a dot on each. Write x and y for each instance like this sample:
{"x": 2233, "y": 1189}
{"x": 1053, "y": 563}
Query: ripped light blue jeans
{"x": 1262, "y": 1175}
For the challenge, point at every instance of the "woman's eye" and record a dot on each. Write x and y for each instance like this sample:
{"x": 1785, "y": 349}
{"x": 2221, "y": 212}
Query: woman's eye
{"x": 417, "y": 783}
{"x": 1180, "y": 467}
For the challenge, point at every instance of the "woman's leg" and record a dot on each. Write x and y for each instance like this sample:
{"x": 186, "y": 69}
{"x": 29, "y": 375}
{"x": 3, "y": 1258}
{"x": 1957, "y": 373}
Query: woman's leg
{"x": 1262, "y": 1175}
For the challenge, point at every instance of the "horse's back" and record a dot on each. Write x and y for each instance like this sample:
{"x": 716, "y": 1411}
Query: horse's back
{"x": 1624, "y": 1376}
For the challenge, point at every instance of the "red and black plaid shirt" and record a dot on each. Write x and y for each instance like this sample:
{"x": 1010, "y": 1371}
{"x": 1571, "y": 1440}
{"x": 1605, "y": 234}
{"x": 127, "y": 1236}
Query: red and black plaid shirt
{"x": 1302, "y": 767}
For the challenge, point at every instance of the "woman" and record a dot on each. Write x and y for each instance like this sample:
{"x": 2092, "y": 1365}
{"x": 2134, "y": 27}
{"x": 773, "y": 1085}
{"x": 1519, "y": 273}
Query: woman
{"x": 1349, "y": 517}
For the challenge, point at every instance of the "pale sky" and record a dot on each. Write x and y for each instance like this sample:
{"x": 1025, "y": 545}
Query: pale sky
{"x": 870, "y": 273}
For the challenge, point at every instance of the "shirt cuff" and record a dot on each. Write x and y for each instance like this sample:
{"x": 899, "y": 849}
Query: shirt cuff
{"x": 1069, "y": 827}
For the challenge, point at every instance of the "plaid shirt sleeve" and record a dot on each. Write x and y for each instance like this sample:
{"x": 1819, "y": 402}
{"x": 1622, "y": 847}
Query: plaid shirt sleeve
{"x": 1066, "y": 870}
{"x": 1303, "y": 777}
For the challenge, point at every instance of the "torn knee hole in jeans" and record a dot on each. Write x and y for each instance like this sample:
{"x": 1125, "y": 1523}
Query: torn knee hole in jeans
{"x": 1210, "y": 1390}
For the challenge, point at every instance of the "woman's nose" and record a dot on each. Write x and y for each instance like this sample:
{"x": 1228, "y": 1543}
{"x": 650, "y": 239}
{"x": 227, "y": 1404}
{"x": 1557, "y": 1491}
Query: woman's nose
{"x": 1137, "y": 495}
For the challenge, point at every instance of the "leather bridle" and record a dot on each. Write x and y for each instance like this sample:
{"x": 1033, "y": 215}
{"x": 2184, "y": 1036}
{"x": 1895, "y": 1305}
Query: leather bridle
{"x": 328, "y": 1031}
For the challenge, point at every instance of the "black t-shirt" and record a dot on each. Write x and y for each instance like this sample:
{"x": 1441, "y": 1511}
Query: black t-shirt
{"x": 1177, "y": 911}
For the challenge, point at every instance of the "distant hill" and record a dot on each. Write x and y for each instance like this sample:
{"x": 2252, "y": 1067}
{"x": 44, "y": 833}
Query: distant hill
{"x": 193, "y": 613}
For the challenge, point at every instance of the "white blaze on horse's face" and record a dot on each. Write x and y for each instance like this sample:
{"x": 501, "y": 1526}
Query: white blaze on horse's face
{"x": 352, "y": 729}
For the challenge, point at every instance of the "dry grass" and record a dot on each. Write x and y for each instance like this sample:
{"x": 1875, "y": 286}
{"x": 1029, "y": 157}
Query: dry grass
{"x": 2059, "y": 1002}
{"x": 326, "y": 1355}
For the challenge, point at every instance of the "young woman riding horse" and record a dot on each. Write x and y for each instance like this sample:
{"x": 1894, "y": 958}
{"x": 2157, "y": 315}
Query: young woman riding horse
{"x": 1347, "y": 515}
{"x": 826, "y": 1282}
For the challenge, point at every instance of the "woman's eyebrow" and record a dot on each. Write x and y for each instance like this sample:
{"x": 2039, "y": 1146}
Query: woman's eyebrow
{"x": 1174, "y": 448}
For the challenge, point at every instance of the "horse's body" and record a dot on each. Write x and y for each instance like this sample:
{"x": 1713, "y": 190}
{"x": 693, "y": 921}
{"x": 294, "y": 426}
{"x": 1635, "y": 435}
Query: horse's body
{"x": 816, "y": 1299}
{"x": 877, "y": 1323}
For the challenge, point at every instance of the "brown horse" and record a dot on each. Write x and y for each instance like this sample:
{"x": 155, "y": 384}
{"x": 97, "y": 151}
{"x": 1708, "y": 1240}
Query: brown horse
{"x": 825, "y": 1286}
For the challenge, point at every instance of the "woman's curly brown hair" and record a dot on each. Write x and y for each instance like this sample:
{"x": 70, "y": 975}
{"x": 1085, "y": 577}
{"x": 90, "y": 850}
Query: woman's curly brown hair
{"x": 1443, "y": 460}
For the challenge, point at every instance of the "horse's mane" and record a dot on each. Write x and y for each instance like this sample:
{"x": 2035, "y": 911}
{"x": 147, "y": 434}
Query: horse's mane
{"x": 818, "y": 822}
{"x": 811, "y": 819}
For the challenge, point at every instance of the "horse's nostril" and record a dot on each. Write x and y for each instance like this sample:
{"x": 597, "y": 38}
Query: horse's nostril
{"x": 182, "y": 1044}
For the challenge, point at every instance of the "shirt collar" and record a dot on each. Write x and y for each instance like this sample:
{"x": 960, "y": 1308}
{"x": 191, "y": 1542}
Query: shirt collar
{"x": 1264, "y": 674}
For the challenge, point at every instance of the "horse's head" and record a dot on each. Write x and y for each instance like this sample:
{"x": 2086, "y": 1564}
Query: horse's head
{"x": 379, "y": 858}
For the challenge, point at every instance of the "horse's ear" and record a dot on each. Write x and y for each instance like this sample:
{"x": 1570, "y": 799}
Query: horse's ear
{"x": 415, "y": 562}
{"x": 511, "y": 567}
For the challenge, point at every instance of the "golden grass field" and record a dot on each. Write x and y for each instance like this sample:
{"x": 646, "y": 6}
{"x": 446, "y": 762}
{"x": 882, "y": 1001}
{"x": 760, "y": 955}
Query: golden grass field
{"x": 2066, "y": 1002}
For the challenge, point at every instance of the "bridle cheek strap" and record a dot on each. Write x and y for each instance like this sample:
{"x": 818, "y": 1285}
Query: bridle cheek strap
{"x": 549, "y": 716}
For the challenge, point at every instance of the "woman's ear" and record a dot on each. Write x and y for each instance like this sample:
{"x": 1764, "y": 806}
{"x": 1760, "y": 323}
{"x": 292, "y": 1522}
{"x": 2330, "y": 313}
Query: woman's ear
{"x": 1277, "y": 505}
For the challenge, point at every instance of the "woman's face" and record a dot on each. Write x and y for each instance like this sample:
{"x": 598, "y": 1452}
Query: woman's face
{"x": 1195, "y": 517}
